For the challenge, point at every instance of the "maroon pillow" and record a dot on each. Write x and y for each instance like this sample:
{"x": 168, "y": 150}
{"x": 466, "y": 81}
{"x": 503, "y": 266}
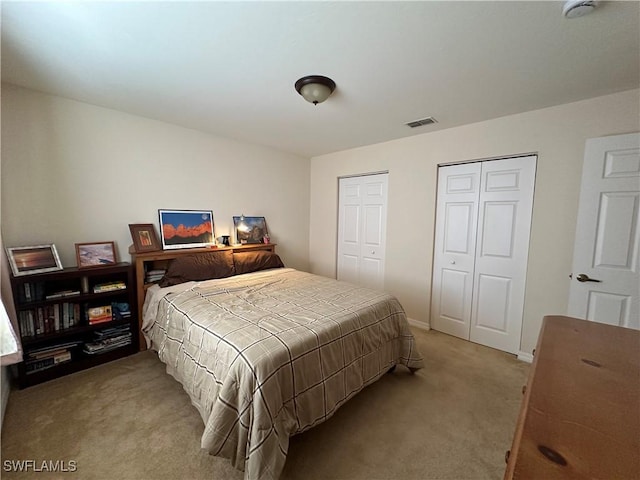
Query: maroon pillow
{"x": 246, "y": 262}
{"x": 198, "y": 267}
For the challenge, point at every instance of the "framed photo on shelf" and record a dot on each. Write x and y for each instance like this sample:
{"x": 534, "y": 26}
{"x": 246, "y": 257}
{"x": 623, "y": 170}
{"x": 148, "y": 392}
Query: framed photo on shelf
{"x": 186, "y": 228}
{"x": 144, "y": 237}
{"x": 33, "y": 259}
{"x": 250, "y": 229}
{"x": 97, "y": 254}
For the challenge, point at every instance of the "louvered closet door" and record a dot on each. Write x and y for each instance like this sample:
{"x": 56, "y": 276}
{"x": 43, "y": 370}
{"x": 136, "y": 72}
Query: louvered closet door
{"x": 483, "y": 221}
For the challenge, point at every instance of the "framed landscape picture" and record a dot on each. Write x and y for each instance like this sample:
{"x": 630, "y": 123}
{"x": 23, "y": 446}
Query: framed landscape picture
{"x": 96, "y": 254}
{"x": 186, "y": 228}
{"x": 33, "y": 259}
{"x": 250, "y": 229}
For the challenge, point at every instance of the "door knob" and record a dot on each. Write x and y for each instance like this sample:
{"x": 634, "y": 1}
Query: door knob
{"x": 582, "y": 277}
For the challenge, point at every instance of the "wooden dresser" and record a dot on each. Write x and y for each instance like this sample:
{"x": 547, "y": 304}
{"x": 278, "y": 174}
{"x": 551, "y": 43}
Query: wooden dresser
{"x": 580, "y": 415}
{"x": 144, "y": 262}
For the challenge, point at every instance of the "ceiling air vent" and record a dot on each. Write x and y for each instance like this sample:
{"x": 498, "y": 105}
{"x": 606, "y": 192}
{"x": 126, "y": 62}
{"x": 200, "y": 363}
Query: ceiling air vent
{"x": 423, "y": 121}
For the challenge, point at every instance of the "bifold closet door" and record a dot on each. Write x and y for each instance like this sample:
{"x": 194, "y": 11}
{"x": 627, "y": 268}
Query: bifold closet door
{"x": 455, "y": 248}
{"x": 481, "y": 250}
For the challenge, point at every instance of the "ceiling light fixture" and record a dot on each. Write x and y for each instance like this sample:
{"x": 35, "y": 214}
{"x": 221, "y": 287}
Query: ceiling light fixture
{"x": 578, "y": 8}
{"x": 315, "y": 88}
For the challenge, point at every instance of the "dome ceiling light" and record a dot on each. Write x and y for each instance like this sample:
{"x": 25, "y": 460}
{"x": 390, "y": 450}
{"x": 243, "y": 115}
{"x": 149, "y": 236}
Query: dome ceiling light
{"x": 315, "y": 88}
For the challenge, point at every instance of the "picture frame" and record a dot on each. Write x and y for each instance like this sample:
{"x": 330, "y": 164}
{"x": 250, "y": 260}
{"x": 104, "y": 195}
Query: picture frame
{"x": 95, "y": 254}
{"x": 33, "y": 259}
{"x": 144, "y": 237}
{"x": 250, "y": 229}
{"x": 186, "y": 229}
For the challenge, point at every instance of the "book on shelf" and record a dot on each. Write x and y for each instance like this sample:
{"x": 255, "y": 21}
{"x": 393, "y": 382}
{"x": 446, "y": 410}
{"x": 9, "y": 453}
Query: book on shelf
{"x": 153, "y": 276}
{"x": 108, "y": 339}
{"x": 109, "y": 286}
{"x": 37, "y": 365}
{"x": 120, "y": 310}
{"x": 30, "y": 292}
{"x": 99, "y": 313}
{"x": 97, "y": 320}
{"x": 63, "y": 293}
{"x": 38, "y": 359}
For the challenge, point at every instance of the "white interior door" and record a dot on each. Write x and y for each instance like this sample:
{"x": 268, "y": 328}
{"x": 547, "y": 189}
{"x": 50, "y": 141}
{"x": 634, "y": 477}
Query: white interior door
{"x": 605, "y": 284}
{"x": 483, "y": 222}
{"x": 502, "y": 252}
{"x": 455, "y": 247}
{"x": 362, "y": 222}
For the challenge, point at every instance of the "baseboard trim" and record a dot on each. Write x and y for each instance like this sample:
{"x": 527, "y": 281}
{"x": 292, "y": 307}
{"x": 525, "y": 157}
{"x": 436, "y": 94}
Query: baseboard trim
{"x": 418, "y": 324}
{"x": 525, "y": 357}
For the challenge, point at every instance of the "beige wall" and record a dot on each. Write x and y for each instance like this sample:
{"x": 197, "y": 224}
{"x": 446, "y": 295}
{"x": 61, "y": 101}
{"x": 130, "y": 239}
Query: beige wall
{"x": 556, "y": 134}
{"x": 73, "y": 172}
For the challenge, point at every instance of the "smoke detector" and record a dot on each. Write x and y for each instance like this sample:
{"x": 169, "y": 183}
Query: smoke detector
{"x": 578, "y": 8}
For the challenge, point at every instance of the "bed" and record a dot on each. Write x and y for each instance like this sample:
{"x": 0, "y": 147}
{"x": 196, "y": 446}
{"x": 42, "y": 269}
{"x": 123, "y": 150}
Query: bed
{"x": 267, "y": 354}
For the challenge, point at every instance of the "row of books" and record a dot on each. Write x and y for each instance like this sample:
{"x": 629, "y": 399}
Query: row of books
{"x": 42, "y": 358}
{"x": 36, "y": 292}
{"x": 49, "y": 318}
{"x": 60, "y": 316}
{"x": 31, "y": 292}
{"x": 39, "y": 359}
{"x": 154, "y": 276}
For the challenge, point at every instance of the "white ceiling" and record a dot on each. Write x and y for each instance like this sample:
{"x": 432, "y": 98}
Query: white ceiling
{"x": 229, "y": 67}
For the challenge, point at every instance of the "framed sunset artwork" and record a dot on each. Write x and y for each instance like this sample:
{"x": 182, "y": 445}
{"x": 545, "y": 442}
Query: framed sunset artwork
{"x": 186, "y": 228}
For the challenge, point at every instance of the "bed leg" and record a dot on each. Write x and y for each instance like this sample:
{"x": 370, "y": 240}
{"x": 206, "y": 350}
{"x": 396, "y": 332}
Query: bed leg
{"x": 391, "y": 369}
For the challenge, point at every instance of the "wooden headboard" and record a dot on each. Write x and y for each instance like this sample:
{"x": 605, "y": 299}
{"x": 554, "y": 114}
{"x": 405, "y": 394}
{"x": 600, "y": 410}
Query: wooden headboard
{"x": 144, "y": 262}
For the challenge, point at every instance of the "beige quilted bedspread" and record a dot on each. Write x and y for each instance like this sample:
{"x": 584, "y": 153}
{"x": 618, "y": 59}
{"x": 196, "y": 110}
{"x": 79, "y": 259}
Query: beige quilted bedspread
{"x": 266, "y": 355}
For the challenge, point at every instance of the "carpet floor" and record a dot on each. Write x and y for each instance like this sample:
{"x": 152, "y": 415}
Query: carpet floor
{"x": 128, "y": 419}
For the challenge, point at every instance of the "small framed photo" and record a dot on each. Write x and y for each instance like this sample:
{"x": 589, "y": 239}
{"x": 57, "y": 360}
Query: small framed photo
{"x": 96, "y": 254}
{"x": 250, "y": 229}
{"x": 34, "y": 259}
{"x": 144, "y": 237}
{"x": 186, "y": 228}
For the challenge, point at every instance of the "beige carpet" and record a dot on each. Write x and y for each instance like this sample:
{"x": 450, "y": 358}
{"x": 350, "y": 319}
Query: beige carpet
{"x": 130, "y": 420}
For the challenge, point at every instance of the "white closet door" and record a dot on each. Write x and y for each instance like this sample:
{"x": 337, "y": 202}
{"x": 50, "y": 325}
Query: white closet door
{"x": 483, "y": 221}
{"x": 362, "y": 226}
{"x": 502, "y": 251}
{"x": 455, "y": 248}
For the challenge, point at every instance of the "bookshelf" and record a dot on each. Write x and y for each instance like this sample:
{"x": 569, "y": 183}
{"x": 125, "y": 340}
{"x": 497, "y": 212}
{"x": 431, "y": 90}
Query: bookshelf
{"x": 74, "y": 319}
